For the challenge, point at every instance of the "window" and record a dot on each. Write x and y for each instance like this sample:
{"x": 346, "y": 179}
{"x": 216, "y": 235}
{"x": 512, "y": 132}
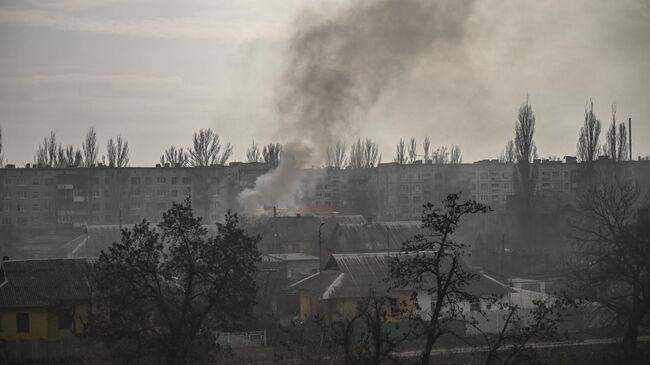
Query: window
{"x": 35, "y": 195}
{"x": 187, "y": 180}
{"x": 65, "y": 318}
{"x": 21, "y": 194}
{"x": 135, "y": 180}
{"x": 161, "y": 180}
{"x": 35, "y": 181}
{"x": 22, "y": 322}
{"x": 8, "y": 181}
{"x": 474, "y": 306}
{"x": 174, "y": 193}
{"x": 394, "y": 306}
{"x": 6, "y": 220}
{"x": 174, "y": 180}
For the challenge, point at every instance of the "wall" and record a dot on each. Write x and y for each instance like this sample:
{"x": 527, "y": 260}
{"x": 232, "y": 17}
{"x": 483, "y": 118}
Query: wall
{"x": 44, "y": 323}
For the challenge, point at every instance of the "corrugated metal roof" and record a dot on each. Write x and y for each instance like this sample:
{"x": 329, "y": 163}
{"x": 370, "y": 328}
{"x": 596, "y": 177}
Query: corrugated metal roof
{"x": 354, "y": 275}
{"x": 289, "y": 257}
{"x": 45, "y": 282}
{"x": 373, "y": 237}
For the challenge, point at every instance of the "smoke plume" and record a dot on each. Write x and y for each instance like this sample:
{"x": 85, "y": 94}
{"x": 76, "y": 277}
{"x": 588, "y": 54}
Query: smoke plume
{"x": 337, "y": 68}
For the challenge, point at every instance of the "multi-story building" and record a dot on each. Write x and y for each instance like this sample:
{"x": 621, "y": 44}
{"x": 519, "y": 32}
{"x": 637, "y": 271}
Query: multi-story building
{"x": 52, "y": 198}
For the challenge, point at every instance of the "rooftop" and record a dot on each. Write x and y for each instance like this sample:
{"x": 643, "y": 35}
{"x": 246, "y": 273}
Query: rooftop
{"x": 43, "y": 282}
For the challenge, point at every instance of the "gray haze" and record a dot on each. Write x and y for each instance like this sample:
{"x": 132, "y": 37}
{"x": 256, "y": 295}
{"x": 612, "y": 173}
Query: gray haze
{"x": 166, "y": 68}
{"x": 337, "y": 69}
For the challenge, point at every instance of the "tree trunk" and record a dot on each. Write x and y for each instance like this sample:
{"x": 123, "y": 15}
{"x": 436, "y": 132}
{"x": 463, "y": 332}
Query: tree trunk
{"x": 630, "y": 342}
{"x": 426, "y": 354}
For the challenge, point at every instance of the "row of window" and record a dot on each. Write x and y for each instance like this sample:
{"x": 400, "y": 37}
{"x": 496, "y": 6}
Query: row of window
{"x": 64, "y": 316}
{"x": 21, "y": 181}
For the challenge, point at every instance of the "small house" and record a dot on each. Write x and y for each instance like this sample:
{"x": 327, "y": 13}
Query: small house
{"x": 43, "y": 298}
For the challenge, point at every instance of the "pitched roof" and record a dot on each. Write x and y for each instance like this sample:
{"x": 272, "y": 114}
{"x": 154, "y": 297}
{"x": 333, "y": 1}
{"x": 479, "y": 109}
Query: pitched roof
{"x": 44, "y": 282}
{"x": 369, "y": 237}
{"x": 353, "y": 275}
{"x": 289, "y": 257}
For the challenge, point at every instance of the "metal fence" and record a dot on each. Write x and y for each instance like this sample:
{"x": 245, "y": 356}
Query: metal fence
{"x": 38, "y": 350}
{"x": 242, "y": 339}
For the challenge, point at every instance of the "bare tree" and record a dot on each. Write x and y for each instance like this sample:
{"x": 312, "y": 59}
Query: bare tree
{"x": 426, "y": 145}
{"x": 622, "y": 142}
{"x": 253, "y": 154}
{"x": 226, "y": 154}
{"x": 70, "y": 157}
{"x": 370, "y": 336}
{"x": 47, "y": 153}
{"x": 413, "y": 150}
{"x": 508, "y": 153}
{"x": 400, "y": 152}
{"x": 271, "y": 154}
{"x": 370, "y": 154}
{"x": 78, "y": 158}
{"x": 206, "y": 149}
{"x": 60, "y": 156}
{"x": 336, "y": 156}
{"x": 588, "y": 140}
{"x": 616, "y": 142}
{"x": 526, "y": 177}
{"x": 175, "y": 157}
{"x": 440, "y": 155}
{"x": 356, "y": 154}
{"x": 511, "y": 344}
{"x": 433, "y": 262}
{"x": 612, "y": 260}
{"x": 455, "y": 156}
{"x": 117, "y": 152}
{"x": 90, "y": 148}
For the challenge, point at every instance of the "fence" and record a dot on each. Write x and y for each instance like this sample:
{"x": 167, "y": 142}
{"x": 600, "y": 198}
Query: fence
{"x": 39, "y": 350}
{"x": 242, "y": 339}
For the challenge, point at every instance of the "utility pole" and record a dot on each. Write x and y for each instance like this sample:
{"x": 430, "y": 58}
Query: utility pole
{"x": 387, "y": 240}
{"x": 320, "y": 248}
{"x": 503, "y": 244}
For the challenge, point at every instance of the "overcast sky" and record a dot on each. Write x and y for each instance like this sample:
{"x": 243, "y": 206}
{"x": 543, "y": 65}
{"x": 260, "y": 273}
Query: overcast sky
{"x": 154, "y": 71}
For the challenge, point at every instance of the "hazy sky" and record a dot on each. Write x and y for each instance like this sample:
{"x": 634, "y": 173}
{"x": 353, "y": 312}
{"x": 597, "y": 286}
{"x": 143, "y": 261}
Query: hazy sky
{"x": 154, "y": 71}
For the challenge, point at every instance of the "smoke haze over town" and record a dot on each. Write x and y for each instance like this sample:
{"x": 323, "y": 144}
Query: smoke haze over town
{"x": 346, "y": 182}
{"x": 172, "y": 68}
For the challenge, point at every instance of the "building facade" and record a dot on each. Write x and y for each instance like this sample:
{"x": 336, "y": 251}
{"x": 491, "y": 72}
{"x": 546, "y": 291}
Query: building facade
{"x": 52, "y": 198}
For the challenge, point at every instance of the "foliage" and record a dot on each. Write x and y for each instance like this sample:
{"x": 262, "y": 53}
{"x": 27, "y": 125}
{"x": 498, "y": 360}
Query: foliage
{"x": 166, "y": 290}
{"x": 433, "y": 262}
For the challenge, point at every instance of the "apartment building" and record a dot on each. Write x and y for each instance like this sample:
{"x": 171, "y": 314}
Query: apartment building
{"x": 50, "y": 198}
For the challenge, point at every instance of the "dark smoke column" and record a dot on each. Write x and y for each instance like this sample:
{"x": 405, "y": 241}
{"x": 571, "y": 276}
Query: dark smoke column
{"x": 338, "y": 67}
